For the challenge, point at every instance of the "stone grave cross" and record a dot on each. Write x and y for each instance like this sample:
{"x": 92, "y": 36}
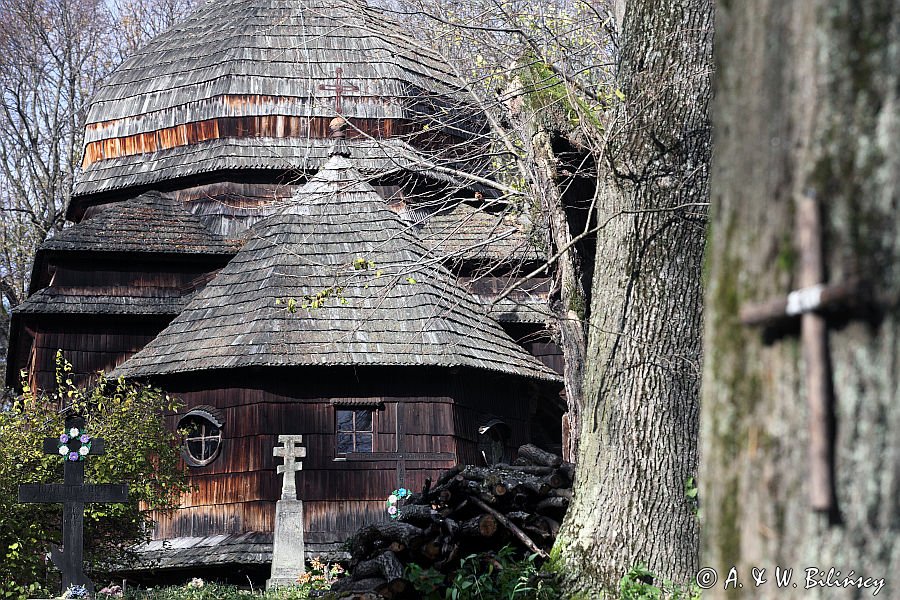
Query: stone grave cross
{"x": 74, "y": 446}
{"x": 339, "y": 89}
{"x": 288, "y": 550}
{"x": 290, "y": 452}
{"x": 810, "y": 303}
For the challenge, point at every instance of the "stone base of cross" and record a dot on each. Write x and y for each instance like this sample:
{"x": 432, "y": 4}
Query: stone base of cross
{"x": 288, "y": 551}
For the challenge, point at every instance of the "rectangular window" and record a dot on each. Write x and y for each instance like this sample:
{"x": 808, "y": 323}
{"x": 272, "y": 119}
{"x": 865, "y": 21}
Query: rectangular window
{"x": 354, "y": 430}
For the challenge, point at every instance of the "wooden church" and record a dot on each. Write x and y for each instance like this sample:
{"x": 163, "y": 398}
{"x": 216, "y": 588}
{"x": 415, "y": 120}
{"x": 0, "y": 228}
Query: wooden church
{"x": 285, "y": 270}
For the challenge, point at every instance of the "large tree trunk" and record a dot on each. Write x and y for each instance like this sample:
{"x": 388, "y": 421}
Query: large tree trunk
{"x": 807, "y": 106}
{"x": 638, "y": 447}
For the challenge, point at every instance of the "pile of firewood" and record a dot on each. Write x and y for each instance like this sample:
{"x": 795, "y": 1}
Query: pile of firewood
{"x": 467, "y": 510}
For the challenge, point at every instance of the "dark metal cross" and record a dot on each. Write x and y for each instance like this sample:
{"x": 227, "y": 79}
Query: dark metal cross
{"x": 810, "y": 303}
{"x": 338, "y": 88}
{"x": 73, "y": 494}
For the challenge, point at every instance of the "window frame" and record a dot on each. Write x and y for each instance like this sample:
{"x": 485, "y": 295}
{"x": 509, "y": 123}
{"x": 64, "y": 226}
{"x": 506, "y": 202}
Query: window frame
{"x": 207, "y": 419}
{"x": 354, "y": 432}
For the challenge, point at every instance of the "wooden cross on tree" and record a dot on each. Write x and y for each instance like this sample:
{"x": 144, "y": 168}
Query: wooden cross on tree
{"x": 812, "y": 304}
{"x": 73, "y": 446}
{"x": 338, "y": 88}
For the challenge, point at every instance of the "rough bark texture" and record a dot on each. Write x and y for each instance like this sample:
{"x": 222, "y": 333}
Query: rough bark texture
{"x": 807, "y": 105}
{"x": 640, "y": 423}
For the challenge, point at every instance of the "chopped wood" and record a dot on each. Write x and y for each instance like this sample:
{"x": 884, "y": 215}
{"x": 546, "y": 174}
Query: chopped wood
{"x": 552, "y": 503}
{"x": 448, "y": 475}
{"x": 416, "y": 513}
{"x": 530, "y": 469}
{"x": 348, "y": 584}
{"x": 540, "y": 457}
{"x": 529, "y": 543}
{"x": 385, "y": 564}
{"x": 468, "y": 509}
{"x": 481, "y": 526}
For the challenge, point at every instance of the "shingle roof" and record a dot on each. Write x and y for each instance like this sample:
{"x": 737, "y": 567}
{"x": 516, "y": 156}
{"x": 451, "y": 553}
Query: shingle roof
{"x": 280, "y": 154}
{"x": 384, "y": 301}
{"x": 151, "y": 222}
{"x": 469, "y": 233}
{"x": 249, "y": 59}
{"x": 234, "y": 549}
{"x": 83, "y": 302}
{"x": 280, "y": 48}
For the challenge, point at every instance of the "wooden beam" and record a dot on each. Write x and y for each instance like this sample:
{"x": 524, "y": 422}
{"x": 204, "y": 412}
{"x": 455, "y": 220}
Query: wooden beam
{"x": 814, "y": 340}
{"x": 816, "y": 298}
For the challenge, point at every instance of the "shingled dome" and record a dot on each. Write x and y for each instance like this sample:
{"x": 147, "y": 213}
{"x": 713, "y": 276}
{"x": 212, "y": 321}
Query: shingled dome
{"x": 252, "y": 84}
{"x": 336, "y": 278}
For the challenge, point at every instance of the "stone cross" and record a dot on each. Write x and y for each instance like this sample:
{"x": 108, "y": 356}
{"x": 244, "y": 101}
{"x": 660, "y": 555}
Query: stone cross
{"x": 288, "y": 549}
{"x": 73, "y": 494}
{"x": 338, "y": 89}
{"x": 809, "y": 303}
{"x": 290, "y": 452}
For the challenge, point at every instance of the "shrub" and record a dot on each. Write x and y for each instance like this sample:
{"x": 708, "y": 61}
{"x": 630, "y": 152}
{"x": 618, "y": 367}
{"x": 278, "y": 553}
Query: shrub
{"x": 140, "y": 451}
{"x": 639, "y": 584}
{"x": 488, "y": 575}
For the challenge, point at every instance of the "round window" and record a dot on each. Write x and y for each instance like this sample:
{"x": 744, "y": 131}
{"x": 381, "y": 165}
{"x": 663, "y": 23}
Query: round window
{"x": 202, "y": 438}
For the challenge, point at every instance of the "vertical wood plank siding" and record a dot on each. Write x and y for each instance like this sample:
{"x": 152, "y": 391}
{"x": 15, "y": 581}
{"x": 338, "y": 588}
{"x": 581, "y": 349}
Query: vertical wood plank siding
{"x": 91, "y": 347}
{"x": 439, "y": 413}
{"x": 270, "y": 126}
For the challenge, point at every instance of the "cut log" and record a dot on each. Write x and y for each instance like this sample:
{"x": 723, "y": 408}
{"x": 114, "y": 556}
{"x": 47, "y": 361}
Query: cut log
{"x": 562, "y": 493}
{"x": 448, "y": 475}
{"x": 385, "y": 564}
{"x": 378, "y": 535}
{"x": 480, "y": 526}
{"x": 417, "y": 514}
{"x": 513, "y": 529}
{"x": 348, "y": 584}
{"x": 393, "y": 589}
{"x": 431, "y": 549}
{"x": 535, "y": 455}
{"x": 552, "y": 504}
{"x": 529, "y": 469}
{"x": 552, "y": 525}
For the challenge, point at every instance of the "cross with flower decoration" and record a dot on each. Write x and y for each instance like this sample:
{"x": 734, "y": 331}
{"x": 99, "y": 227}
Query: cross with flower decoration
{"x": 73, "y": 446}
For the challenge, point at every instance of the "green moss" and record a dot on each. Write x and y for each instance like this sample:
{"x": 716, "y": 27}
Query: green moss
{"x": 786, "y": 260}
{"x": 576, "y": 302}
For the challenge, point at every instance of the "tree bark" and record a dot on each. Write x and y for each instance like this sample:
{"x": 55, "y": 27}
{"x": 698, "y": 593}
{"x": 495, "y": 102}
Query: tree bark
{"x": 640, "y": 424}
{"x": 807, "y": 106}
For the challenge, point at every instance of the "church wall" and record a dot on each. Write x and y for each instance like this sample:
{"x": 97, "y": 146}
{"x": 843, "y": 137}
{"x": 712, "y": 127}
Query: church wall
{"x": 413, "y": 440}
{"x": 484, "y": 400}
{"x": 90, "y": 344}
{"x": 418, "y": 428}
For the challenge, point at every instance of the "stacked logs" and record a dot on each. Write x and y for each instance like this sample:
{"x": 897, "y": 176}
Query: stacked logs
{"x": 467, "y": 510}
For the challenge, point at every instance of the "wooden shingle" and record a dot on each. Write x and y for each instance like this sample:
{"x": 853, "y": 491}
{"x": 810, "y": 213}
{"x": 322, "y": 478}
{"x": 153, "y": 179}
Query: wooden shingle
{"x": 263, "y": 65}
{"x": 149, "y": 223}
{"x": 363, "y": 289}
